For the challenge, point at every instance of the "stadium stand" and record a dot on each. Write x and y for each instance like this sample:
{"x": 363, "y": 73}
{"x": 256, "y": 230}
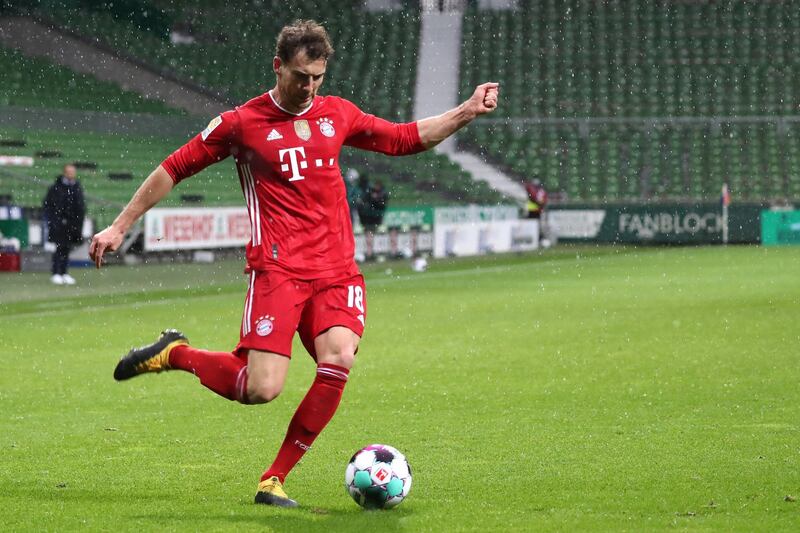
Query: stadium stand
{"x": 35, "y": 83}
{"x": 375, "y": 66}
{"x": 375, "y": 62}
{"x": 629, "y": 101}
{"x": 426, "y": 178}
{"x": 109, "y": 154}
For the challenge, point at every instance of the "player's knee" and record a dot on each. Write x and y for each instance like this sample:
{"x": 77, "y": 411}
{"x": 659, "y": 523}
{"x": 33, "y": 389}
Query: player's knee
{"x": 346, "y": 359}
{"x": 263, "y": 391}
{"x": 340, "y": 356}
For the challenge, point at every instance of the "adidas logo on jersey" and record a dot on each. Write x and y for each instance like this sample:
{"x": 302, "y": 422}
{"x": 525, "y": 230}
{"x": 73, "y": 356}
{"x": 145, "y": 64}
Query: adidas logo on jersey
{"x": 274, "y": 136}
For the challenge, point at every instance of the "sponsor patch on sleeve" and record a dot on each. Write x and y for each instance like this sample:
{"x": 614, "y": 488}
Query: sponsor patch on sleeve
{"x": 211, "y": 127}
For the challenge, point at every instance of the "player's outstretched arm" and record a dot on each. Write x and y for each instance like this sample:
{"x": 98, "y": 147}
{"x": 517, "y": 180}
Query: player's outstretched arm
{"x": 157, "y": 185}
{"x": 434, "y": 130}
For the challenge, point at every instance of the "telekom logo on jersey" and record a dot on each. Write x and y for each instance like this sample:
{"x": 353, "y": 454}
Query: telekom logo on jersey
{"x": 294, "y": 159}
{"x": 294, "y": 162}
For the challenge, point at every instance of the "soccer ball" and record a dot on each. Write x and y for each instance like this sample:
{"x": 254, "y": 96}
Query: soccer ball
{"x": 420, "y": 264}
{"x": 378, "y": 477}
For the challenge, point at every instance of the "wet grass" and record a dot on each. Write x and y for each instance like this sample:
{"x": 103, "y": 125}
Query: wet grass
{"x": 576, "y": 389}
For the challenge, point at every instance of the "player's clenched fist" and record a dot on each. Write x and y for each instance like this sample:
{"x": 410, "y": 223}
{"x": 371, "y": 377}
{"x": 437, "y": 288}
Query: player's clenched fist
{"x": 107, "y": 240}
{"x": 484, "y": 99}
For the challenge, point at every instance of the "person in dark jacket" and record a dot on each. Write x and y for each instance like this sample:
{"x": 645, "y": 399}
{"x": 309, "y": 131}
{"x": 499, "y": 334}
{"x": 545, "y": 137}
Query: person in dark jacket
{"x": 373, "y": 204}
{"x": 64, "y": 210}
{"x": 353, "y": 194}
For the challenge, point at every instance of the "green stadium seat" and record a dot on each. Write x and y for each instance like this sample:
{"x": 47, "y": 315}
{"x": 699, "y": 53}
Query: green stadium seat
{"x": 638, "y": 60}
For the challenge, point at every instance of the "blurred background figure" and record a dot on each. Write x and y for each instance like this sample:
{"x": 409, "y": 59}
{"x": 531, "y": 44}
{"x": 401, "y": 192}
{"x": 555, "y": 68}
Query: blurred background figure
{"x": 64, "y": 210}
{"x": 537, "y": 198}
{"x": 373, "y": 203}
{"x": 353, "y": 194}
{"x": 537, "y": 203}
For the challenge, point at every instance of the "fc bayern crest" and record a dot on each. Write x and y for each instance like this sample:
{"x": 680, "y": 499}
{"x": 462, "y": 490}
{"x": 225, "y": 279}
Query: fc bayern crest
{"x": 264, "y": 326}
{"x": 326, "y": 127}
{"x": 302, "y": 129}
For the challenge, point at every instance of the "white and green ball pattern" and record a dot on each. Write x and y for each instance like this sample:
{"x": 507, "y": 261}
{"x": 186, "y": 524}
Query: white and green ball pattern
{"x": 378, "y": 477}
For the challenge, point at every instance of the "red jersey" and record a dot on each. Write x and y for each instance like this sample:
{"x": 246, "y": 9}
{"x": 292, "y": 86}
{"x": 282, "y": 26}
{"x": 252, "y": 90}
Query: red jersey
{"x": 288, "y": 167}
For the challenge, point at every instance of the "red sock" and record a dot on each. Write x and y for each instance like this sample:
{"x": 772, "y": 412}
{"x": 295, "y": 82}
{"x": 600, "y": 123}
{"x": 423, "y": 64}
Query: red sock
{"x": 222, "y": 372}
{"x": 311, "y": 417}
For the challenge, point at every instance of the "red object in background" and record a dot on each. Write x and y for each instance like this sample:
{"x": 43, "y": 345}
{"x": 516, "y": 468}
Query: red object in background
{"x": 536, "y": 193}
{"x": 9, "y": 262}
{"x": 726, "y": 195}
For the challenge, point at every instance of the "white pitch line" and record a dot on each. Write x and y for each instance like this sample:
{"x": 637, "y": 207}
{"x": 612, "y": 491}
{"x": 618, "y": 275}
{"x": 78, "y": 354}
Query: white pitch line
{"x": 100, "y": 307}
{"x": 422, "y": 276}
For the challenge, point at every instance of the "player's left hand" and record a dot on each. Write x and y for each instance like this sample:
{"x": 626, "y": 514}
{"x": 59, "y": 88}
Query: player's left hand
{"x": 484, "y": 99}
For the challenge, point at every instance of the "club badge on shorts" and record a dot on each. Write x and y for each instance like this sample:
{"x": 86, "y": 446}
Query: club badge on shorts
{"x": 302, "y": 129}
{"x": 264, "y": 326}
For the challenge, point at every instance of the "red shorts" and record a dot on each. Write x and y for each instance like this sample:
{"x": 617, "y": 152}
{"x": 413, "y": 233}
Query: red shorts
{"x": 276, "y": 306}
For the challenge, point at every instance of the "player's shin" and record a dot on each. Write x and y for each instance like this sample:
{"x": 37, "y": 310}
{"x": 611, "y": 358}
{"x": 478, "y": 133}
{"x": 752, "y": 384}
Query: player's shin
{"x": 221, "y": 372}
{"x": 311, "y": 417}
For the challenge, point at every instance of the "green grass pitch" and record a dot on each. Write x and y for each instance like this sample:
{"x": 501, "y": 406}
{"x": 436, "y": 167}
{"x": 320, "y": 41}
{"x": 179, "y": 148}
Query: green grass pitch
{"x": 574, "y": 389}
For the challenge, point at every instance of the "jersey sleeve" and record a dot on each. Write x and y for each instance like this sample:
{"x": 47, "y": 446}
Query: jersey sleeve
{"x": 369, "y": 132}
{"x": 211, "y": 145}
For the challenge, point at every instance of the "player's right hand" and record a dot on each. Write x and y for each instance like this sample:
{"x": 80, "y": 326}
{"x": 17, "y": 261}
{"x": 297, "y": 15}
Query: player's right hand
{"x": 107, "y": 240}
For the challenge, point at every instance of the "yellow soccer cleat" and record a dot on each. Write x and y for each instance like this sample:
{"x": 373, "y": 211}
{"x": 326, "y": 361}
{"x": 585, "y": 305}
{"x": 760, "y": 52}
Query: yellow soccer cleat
{"x": 152, "y": 358}
{"x": 270, "y": 492}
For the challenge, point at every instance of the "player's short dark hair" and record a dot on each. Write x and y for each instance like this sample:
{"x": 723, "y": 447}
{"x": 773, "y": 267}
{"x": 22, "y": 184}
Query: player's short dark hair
{"x": 307, "y": 35}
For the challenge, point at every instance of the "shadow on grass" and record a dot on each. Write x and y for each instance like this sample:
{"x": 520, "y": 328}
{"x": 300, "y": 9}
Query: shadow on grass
{"x": 155, "y": 511}
{"x": 277, "y": 519}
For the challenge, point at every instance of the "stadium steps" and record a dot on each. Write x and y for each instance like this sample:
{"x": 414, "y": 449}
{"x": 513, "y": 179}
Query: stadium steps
{"x": 39, "y": 40}
{"x": 482, "y": 171}
{"x": 437, "y": 91}
{"x": 35, "y": 83}
{"x": 437, "y": 67}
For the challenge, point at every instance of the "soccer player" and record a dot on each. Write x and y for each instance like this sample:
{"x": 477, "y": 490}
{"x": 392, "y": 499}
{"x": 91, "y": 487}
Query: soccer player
{"x": 302, "y": 274}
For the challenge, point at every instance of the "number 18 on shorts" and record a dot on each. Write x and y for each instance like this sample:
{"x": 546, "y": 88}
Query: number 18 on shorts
{"x": 276, "y": 306}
